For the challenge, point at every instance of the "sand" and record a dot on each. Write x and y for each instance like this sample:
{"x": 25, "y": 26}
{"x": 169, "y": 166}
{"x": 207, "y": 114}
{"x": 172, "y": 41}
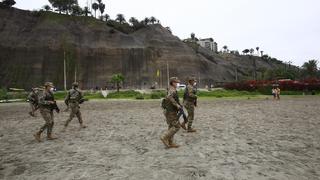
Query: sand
{"x": 236, "y": 139}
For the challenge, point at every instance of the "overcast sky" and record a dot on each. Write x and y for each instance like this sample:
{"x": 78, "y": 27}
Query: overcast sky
{"x": 286, "y": 29}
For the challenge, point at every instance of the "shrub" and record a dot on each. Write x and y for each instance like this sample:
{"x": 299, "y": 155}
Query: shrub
{"x": 140, "y": 97}
{"x": 123, "y": 94}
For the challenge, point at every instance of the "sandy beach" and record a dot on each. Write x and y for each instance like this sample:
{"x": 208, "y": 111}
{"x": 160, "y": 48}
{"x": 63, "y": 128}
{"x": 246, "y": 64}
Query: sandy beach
{"x": 236, "y": 140}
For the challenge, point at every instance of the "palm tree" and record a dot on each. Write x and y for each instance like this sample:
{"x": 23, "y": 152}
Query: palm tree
{"x": 101, "y": 8}
{"x": 86, "y": 11}
{"x": 193, "y": 36}
{"x": 120, "y": 18}
{"x": 257, "y": 48}
{"x": 133, "y": 20}
{"x": 117, "y": 79}
{"x": 251, "y": 51}
{"x": 153, "y": 20}
{"x": 261, "y": 52}
{"x": 146, "y": 21}
{"x": 106, "y": 17}
{"x": 47, "y": 7}
{"x": 246, "y": 51}
{"x": 95, "y": 7}
{"x": 225, "y": 48}
{"x": 7, "y": 3}
{"x": 311, "y": 67}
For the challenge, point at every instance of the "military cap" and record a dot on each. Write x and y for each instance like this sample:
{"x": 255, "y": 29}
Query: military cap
{"x": 174, "y": 79}
{"x": 75, "y": 84}
{"x": 48, "y": 84}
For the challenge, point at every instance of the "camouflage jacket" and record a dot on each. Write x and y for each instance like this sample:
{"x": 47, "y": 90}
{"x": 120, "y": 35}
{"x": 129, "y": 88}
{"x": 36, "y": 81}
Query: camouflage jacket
{"x": 172, "y": 100}
{"x": 44, "y": 99}
{"x": 73, "y": 96}
{"x": 190, "y": 94}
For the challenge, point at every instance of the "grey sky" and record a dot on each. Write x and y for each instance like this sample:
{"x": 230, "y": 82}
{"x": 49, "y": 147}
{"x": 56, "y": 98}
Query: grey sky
{"x": 286, "y": 29}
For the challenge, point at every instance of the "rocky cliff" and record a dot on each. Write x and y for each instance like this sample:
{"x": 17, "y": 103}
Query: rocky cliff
{"x": 33, "y": 46}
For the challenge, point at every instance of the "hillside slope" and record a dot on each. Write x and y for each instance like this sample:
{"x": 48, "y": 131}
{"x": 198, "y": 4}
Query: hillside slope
{"x": 34, "y": 45}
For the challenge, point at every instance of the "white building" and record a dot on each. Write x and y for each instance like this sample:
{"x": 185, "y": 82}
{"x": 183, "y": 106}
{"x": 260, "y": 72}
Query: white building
{"x": 208, "y": 43}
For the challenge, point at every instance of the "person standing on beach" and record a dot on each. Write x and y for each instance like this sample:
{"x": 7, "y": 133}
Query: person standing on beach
{"x": 47, "y": 104}
{"x": 278, "y": 93}
{"x": 172, "y": 106}
{"x": 73, "y": 100}
{"x": 274, "y": 92}
{"x": 190, "y": 102}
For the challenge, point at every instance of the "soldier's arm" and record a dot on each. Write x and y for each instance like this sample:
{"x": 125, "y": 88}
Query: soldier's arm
{"x": 42, "y": 100}
{"x": 30, "y": 97}
{"x": 191, "y": 93}
{"x": 170, "y": 97}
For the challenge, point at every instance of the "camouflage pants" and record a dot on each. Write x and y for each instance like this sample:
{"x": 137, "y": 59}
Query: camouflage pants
{"x": 32, "y": 108}
{"x": 173, "y": 125}
{"x": 75, "y": 111}
{"x": 47, "y": 115}
{"x": 190, "y": 109}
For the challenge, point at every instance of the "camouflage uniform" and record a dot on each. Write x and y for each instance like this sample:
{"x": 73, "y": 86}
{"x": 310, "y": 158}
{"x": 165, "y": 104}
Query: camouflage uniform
{"x": 46, "y": 111}
{"x": 189, "y": 102}
{"x": 171, "y": 110}
{"x": 72, "y": 100}
{"x": 33, "y": 101}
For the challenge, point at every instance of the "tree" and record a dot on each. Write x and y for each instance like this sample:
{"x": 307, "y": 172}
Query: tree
{"x": 106, "y": 17}
{"x": 257, "y": 48}
{"x": 46, "y": 7}
{"x": 117, "y": 79}
{"x": 101, "y": 8}
{"x": 225, "y": 48}
{"x": 153, "y": 20}
{"x": 76, "y": 10}
{"x": 310, "y": 68}
{"x": 95, "y": 7}
{"x": 7, "y": 3}
{"x": 246, "y": 51}
{"x": 193, "y": 36}
{"x": 86, "y": 11}
{"x": 261, "y": 53}
{"x": 63, "y": 5}
{"x": 251, "y": 51}
{"x": 120, "y": 18}
{"x": 58, "y": 4}
{"x": 146, "y": 21}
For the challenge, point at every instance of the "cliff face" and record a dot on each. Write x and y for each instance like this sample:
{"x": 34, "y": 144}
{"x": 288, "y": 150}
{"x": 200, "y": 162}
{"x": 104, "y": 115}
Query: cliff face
{"x": 33, "y": 47}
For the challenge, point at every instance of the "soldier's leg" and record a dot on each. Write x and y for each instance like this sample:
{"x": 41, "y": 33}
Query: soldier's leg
{"x": 46, "y": 116}
{"x": 71, "y": 116}
{"x": 79, "y": 116}
{"x": 174, "y": 126}
{"x": 190, "y": 110}
{"x": 32, "y": 109}
{"x": 50, "y": 127}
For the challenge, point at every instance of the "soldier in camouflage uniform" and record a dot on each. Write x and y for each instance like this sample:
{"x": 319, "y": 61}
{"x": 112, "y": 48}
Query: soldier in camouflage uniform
{"x": 33, "y": 100}
{"x": 190, "y": 102}
{"x": 171, "y": 109}
{"x": 46, "y": 104}
{"x": 72, "y": 100}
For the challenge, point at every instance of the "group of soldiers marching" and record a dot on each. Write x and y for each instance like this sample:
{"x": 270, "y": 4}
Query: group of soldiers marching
{"x": 43, "y": 99}
{"x": 172, "y": 107}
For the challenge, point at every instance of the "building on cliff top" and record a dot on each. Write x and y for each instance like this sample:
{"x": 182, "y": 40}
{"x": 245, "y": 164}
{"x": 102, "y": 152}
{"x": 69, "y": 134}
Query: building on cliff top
{"x": 208, "y": 43}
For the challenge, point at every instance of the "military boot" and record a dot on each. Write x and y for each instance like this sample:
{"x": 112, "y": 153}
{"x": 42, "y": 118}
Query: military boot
{"x": 50, "y": 137}
{"x": 165, "y": 141}
{"x": 183, "y": 126}
{"x": 37, "y": 136}
{"x": 82, "y": 126}
{"x": 191, "y": 130}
